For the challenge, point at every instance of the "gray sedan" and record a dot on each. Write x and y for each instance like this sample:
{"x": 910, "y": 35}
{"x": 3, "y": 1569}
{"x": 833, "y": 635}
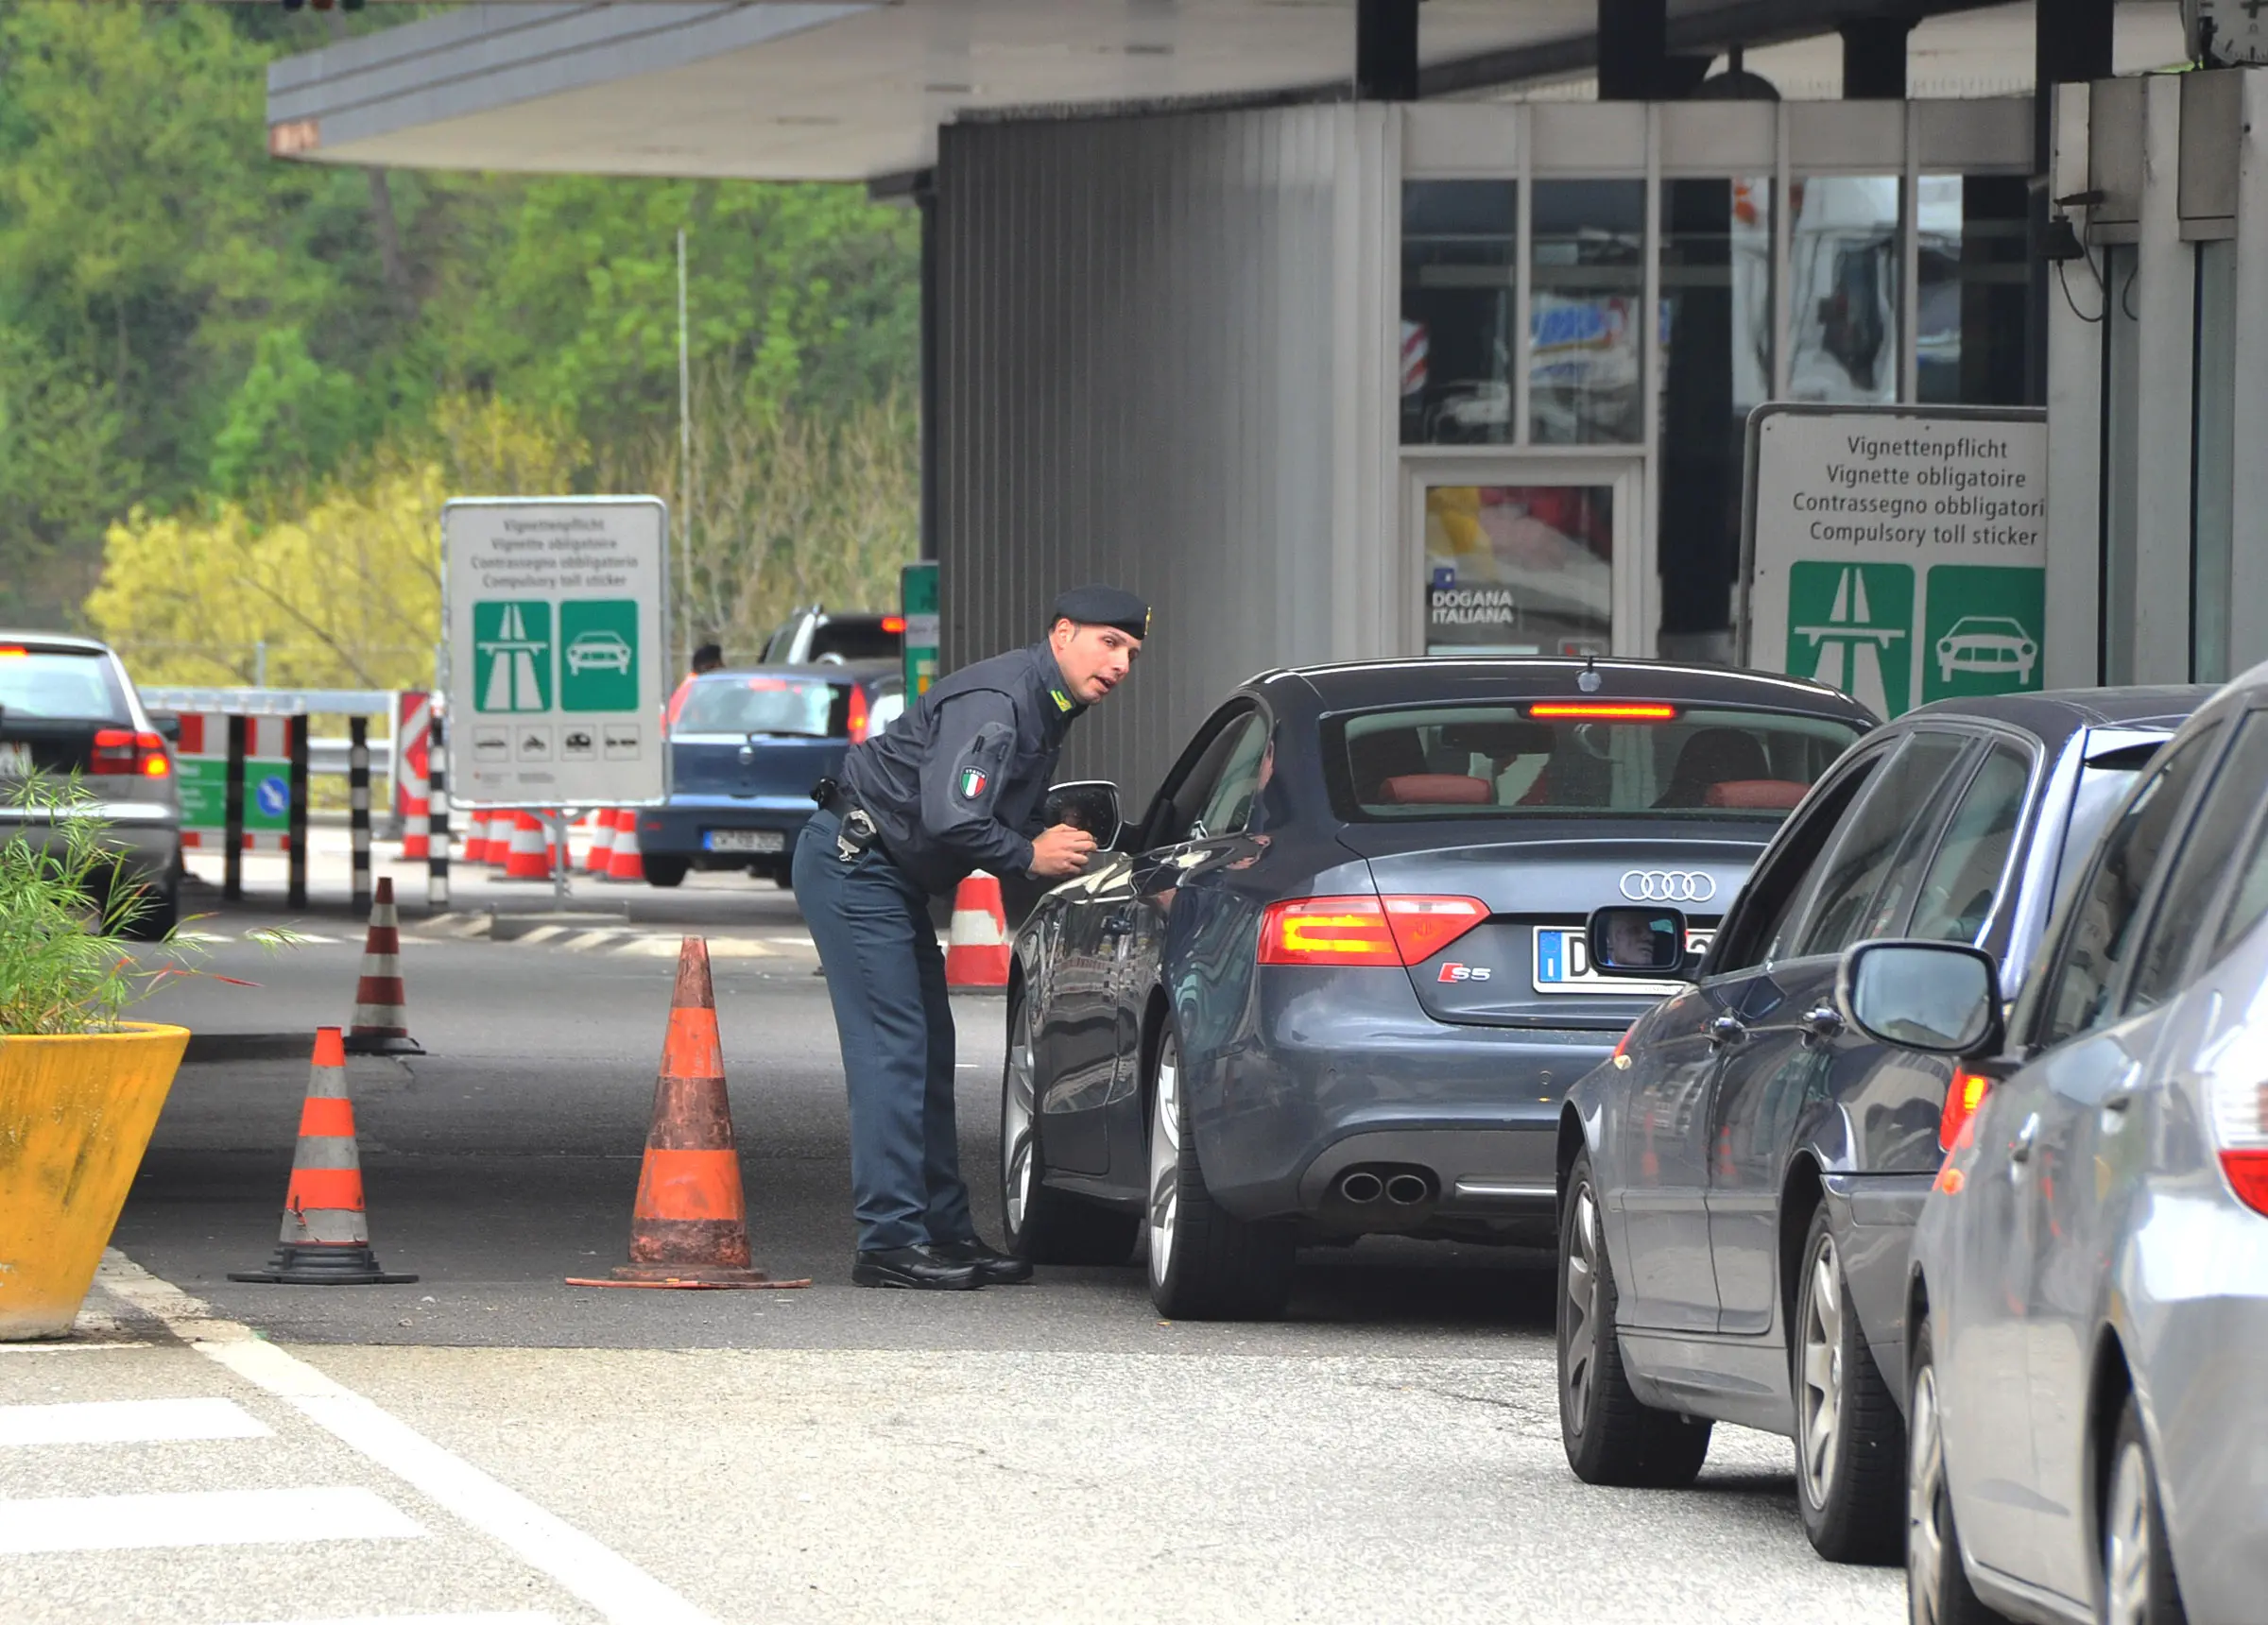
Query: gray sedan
{"x": 2090, "y": 1291}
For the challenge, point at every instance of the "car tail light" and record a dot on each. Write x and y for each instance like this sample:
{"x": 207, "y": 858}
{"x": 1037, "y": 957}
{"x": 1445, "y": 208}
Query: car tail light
{"x": 1392, "y": 931}
{"x": 2240, "y": 1107}
{"x": 858, "y": 713}
{"x": 1962, "y": 1095}
{"x": 893, "y": 624}
{"x": 123, "y": 750}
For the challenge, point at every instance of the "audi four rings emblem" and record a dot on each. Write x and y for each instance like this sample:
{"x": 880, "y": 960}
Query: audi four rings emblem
{"x": 1668, "y": 886}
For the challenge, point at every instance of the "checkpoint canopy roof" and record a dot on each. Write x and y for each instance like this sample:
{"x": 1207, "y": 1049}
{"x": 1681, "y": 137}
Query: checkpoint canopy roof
{"x": 854, "y": 90}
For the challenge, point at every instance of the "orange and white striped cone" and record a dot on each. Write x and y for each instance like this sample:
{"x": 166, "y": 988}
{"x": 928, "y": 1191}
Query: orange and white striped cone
{"x": 476, "y": 836}
{"x": 529, "y": 858}
{"x": 326, "y": 1239}
{"x": 602, "y": 842}
{"x": 689, "y": 1226}
{"x": 624, "y": 862}
{"x": 977, "y": 951}
{"x": 380, "y": 1024}
{"x": 501, "y": 827}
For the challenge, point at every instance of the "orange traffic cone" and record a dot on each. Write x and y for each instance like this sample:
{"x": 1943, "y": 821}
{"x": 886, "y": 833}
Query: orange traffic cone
{"x": 381, "y": 1025}
{"x": 689, "y": 1227}
{"x": 531, "y": 857}
{"x": 602, "y": 841}
{"x": 502, "y": 825}
{"x": 326, "y": 1239}
{"x": 977, "y": 951}
{"x": 476, "y": 835}
{"x": 623, "y": 863}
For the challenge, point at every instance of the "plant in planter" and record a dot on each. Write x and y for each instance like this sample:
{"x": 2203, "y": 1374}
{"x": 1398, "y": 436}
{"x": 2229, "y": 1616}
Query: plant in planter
{"x": 80, "y": 1088}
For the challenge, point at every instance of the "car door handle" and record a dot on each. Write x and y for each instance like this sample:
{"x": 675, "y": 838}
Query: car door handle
{"x": 2019, "y": 1149}
{"x": 1824, "y": 1022}
{"x": 1728, "y": 1029}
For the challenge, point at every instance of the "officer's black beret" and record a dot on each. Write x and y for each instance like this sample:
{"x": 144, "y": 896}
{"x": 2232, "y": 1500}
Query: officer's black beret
{"x": 1103, "y": 607}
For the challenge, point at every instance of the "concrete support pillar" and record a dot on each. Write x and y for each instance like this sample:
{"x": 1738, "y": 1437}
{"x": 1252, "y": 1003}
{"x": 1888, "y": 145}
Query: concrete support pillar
{"x": 932, "y": 416}
{"x": 1874, "y": 57}
{"x": 2071, "y": 45}
{"x": 1385, "y": 50}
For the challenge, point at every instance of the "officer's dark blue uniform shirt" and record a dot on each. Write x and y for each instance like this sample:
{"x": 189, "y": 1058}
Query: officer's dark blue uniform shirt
{"x": 959, "y": 782}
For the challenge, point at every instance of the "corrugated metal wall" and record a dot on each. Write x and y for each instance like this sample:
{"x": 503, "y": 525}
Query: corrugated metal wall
{"x": 1166, "y": 354}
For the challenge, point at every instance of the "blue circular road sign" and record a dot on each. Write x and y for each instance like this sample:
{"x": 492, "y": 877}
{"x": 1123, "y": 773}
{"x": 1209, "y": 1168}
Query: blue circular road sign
{"x": 274, "y": 796}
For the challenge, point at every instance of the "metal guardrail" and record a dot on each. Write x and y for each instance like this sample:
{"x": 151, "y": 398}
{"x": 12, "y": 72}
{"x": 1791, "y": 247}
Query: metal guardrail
{"x": 272, "y": 702}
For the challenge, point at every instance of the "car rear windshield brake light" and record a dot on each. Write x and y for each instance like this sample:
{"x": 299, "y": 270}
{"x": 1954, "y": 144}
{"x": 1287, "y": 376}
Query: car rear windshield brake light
{"x": 1601, "y": 710}
{"x": 1385, "y": 931}
{"x": 856, "y": 728}
{"x": 123, "y": 750}
{"x": 1962, "y": 1095}
{"x": 2240, "y": 1106}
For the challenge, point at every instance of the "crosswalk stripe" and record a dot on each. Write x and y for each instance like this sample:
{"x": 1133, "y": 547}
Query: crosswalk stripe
{"x": 127, "y": 1422}
{"x": 199, "y": 1517}
{"x": 537, "y": 1619}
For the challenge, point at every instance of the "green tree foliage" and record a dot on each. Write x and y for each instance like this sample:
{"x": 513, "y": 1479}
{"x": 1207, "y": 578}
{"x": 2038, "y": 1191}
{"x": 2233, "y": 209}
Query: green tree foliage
{"x": 185, "y": 323}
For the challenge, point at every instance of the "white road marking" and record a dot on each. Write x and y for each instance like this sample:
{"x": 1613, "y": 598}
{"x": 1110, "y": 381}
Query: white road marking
{"x": 538, "y": 1619}
{"x": 649, "y": 947}
{"x": 201, "y": 1517}
{"x": 542, "y": 934}
{"x": 589, "y": 939}
{"x": 739, "y": 947}
{"x": 64, "y": 1347}
{"x": 127, "y": 1422}
{"x": 609, "y": 1582}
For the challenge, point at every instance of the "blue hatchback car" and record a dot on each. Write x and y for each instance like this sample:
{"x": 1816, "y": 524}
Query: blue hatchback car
{"x": 746, "y": 747}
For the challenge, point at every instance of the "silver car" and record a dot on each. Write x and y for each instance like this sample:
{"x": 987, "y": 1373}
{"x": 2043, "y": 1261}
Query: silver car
{"x": 69, "y": 713}
{"x": 2088, "y": 1421}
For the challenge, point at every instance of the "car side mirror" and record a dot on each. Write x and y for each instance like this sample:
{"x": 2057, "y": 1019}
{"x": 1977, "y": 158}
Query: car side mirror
{"x": 1637, "y": 942}
{"x": 1940, "y": 997}
{"x": 168, "y": 724}
{"x": 1089, "y": 804}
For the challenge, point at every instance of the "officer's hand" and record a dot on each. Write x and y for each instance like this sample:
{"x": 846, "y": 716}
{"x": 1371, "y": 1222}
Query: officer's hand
{"x": 1060, "y": 851}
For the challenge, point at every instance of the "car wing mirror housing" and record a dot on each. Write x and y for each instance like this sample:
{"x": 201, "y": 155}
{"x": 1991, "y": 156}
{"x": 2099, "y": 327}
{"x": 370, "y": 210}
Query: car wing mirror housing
{"x": 1642, "y": 942}
{"x": 1089, "y": 804}
{"x": 1939, "y": 997}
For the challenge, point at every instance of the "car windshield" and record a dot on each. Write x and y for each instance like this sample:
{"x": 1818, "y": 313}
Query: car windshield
{"x": 62, "y": 685}
{"x": 1555, "y": 758}
{"x": 805, "y": 706}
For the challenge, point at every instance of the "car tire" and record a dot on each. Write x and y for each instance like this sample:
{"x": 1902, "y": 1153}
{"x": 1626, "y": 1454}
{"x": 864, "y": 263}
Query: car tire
{"x": 665, "y": 872}
{"x": 1850, "y": 1444}
{"x": 1044, "y": 1225}
{"x": 1938, "y": 1588}
{"x": 1610, "y": 1436}
{"x": 2139, "y": 1586}
{"x": 1205, "y": 1263}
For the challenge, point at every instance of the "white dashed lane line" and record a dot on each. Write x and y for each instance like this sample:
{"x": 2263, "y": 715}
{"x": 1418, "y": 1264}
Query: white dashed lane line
{"x": 127, "y": 1422}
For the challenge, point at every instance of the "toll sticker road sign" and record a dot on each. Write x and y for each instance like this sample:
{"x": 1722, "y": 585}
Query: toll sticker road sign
{"x": 511, "y": 638}
{"x": 1851, "y": 628}
{"x": 598, "y": 655}
{"x": 1982, "y": 630}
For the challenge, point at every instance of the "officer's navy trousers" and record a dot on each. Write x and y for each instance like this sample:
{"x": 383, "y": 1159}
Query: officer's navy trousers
{"x": 887, "y": 976}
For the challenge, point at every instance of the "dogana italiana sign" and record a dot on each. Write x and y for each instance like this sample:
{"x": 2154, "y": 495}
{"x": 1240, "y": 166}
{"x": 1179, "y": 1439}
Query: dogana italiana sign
{"x": 1898, "y": 554}
{"x": 557, "y": 657}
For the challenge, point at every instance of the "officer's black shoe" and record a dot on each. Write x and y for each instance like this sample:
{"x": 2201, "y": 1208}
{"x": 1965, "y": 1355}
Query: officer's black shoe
{"x": 993, "y": 1268}
{"x": 924, "y": 1267}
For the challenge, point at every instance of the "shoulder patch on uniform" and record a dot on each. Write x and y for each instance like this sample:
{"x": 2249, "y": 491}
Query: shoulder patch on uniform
{"x": 972, "y": 783}
{"x": 1062, "y": 700}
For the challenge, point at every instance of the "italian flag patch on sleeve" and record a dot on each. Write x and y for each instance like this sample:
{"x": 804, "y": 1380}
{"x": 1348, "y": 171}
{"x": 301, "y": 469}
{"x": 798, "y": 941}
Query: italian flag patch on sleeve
{"x": 972, "y": 783}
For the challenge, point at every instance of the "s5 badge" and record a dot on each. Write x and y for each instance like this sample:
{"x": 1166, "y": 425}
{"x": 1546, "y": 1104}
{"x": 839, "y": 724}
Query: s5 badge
{"x": 1453, "y": 972}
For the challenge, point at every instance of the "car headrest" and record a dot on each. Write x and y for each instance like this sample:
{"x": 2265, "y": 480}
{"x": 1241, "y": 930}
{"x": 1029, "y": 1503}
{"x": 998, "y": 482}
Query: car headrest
{"x": 1436, "y": 790}
{"x": 1776, "y": 794}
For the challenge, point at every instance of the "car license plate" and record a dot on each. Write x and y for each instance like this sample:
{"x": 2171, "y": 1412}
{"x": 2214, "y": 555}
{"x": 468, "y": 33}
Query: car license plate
{"x": 1563, "y": 964}
{"x": 15, "y": 759}
{"x": 744, "y": 841}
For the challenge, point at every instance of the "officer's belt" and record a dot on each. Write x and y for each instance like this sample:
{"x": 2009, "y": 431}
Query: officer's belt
{"x": 843, "y": 806}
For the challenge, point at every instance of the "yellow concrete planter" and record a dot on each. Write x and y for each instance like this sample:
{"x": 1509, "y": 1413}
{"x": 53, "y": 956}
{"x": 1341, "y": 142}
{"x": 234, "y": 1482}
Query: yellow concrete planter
{"x": 76, "y": 1115}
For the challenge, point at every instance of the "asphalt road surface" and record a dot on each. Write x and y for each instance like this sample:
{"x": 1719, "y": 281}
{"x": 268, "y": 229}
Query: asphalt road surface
{"x": 491, "y": 1444}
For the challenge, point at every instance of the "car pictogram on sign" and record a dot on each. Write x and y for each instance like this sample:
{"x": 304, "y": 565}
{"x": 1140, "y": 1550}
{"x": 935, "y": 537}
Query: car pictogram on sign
{"x": 1992, "y": 644}
{"x": 598, "y": 651}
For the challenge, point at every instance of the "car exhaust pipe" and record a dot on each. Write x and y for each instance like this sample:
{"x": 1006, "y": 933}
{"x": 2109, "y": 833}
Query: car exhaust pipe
{"x": 1361, "y": 1186}
{"x": 1407, "y": 1190}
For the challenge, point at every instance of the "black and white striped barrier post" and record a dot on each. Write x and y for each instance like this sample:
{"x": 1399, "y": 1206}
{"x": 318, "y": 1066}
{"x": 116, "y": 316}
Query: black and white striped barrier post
{"x": 296, "y": 822}
{"x": 232, "y": 818}
{"x": 437, "y": 780}
{"x": 358, "y": 804}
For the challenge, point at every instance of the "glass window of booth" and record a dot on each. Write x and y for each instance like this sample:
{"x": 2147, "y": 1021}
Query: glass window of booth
{"x": 1970, "y": 290}
{"x": 1716, "y": 366}
{"x": 1459, "y": 296}
{"x": 1844, "y": 265}
{"x": 1586, "y": 329}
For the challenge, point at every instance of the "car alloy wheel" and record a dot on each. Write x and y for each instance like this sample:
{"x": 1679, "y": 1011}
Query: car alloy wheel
{"x": 1819, "y": 1374}
{"x": 2139, "y": 1586}
{"x": 1165, "y": 1161}
{"x": 1938, "y": 1588}
{"x": 1578, "y": 1363}
{"x": 1045, "y": 1224}
{"x": 1019, "y": 1147}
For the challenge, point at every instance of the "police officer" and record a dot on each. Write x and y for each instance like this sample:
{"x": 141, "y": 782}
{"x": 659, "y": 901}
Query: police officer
{"x": 955, "y": 784}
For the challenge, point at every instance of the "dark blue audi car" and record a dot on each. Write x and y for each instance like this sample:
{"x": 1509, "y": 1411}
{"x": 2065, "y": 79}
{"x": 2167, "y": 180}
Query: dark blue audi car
{"x": 1335, "y": 981}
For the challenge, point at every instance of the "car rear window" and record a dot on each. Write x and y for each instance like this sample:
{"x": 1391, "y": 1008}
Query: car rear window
{"x": 809, "y": 707}
{"x": 59, "y": 685}
{"x": 1552, "y": 758}
{"x": 859, "y": 640}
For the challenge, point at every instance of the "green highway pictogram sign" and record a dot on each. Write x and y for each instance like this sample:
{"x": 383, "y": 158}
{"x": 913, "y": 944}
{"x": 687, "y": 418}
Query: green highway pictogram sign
{"x": 511, "y": 639}
{"x": 1983, "y": 629}
{"x": 1851, "y": 628}
{"x": 598, "y": 655}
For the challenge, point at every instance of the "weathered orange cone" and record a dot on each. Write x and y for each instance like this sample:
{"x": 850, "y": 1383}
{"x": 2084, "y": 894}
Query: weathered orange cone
{"x": 380, "y": 1024}
{"x": 976, "y": 950}
{"x": 326, "y": 1239}
{"x": 624, "y": 862}
{"x": 602, "y": 842}
{"x": 689, "y": 1227}
{"x": 530, "y": 857}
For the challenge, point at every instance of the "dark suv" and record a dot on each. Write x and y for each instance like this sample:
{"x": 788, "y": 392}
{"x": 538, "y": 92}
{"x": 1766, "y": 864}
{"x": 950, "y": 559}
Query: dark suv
{"x": 1739, "y": 1184}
